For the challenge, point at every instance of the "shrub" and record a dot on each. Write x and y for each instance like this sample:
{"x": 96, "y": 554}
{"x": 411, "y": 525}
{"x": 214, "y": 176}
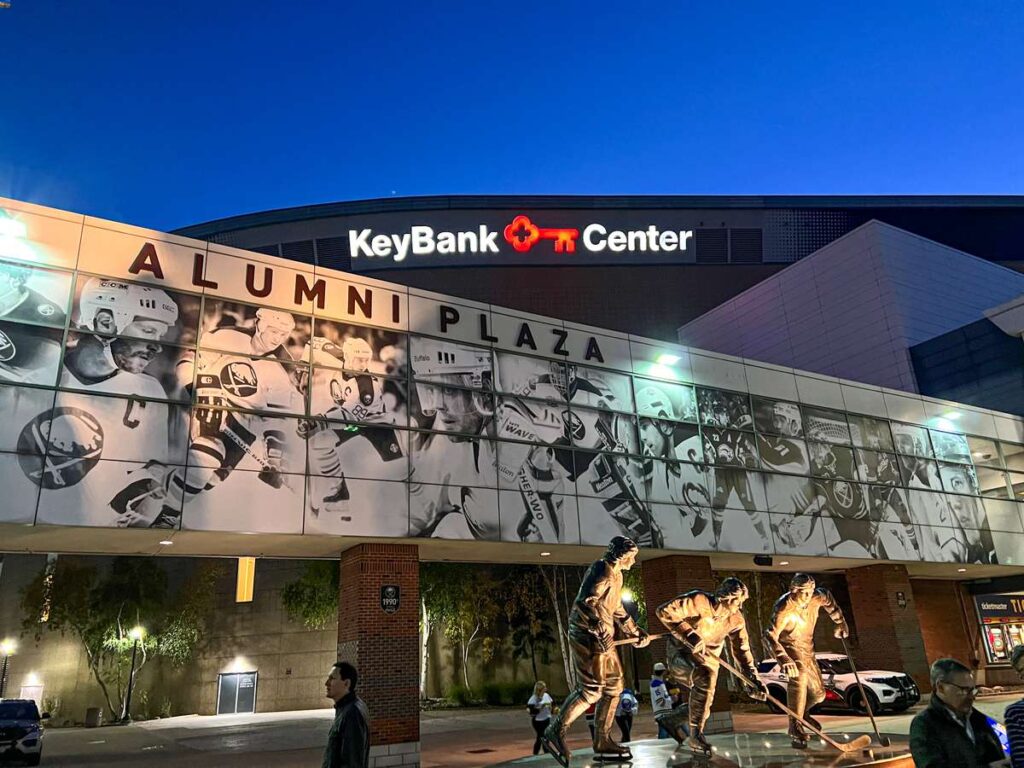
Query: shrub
{"x": 461, "y": 695}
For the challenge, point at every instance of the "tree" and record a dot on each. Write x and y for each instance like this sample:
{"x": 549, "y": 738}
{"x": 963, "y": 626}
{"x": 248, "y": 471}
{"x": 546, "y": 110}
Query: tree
{"x": 562, "y": 583}
{"x": 526, "y": 609}
{"x": 100, "y": 606}
{"x": 312, "y": 599}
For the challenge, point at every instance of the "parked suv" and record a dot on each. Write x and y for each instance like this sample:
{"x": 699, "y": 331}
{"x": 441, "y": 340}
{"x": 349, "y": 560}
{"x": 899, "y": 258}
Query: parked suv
{"x": 21, "y": 732}
{"x": 887, "y": 691}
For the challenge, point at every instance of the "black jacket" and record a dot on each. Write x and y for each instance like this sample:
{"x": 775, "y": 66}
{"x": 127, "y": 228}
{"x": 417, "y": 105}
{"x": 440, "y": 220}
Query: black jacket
{"x": 938, "y": 741}
{"x": 348, "y": 743}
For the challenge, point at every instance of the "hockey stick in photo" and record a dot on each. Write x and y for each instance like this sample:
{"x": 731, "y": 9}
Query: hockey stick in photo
{"x": 854, "y": 745}
{"x": 265, "y": 466}
{"x": 882, "y": 740}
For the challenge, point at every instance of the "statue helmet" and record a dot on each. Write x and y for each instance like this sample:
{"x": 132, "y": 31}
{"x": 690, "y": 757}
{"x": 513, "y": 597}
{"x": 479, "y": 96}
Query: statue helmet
{"x": 619, "y": 547}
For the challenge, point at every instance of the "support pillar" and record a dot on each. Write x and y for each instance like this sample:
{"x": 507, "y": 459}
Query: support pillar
{"x": 384, "y": 645}
{"x": 668, "y": 577}
{"x": 885, "y": 615}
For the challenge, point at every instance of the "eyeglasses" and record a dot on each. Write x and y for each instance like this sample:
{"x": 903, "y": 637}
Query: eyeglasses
{"x": 967, "y": 689}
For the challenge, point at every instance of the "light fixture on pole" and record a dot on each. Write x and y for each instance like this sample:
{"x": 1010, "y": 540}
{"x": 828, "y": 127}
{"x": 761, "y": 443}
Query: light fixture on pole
{"x": 136, "y": 633}
{"x": 7, "y": 647}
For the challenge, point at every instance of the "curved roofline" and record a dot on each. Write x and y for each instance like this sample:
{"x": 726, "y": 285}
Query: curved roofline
{"x": 596, "y": 202}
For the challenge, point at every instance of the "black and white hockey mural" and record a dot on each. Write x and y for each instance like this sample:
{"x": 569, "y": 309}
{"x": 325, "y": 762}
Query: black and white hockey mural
{"x": 150, "y": 382}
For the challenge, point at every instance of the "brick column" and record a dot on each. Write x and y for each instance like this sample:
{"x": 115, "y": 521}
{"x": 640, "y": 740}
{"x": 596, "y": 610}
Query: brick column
{"x": 888, "y": 634}
{"x": 384, "y": 646}
{"x": 940, "y": 612}
{"x": 666, "y": 578}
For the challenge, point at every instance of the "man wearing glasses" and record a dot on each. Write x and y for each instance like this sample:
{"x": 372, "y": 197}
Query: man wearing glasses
{"x": 1015, "y": 714}
{"x": 950, "y": 732}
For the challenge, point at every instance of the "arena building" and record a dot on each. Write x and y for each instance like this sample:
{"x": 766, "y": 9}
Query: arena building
{"x": 165, "y": 394}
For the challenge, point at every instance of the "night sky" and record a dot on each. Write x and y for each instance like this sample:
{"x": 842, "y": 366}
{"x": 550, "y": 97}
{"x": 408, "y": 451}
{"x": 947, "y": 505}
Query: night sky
{"x": 167, "y": 114}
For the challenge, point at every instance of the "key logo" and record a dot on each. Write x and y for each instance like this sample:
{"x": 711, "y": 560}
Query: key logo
{"x": 522, "y": 234}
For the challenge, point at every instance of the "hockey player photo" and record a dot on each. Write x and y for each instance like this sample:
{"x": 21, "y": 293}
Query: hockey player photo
{"x": 353, "y": 434}
{"x": 777, "y": 417}
{"x": 612, "y": 495}
{"x": 832, "y": 461}
{"x": 783, "y": 454}
{"x": 257, "y": 331}
{"x": 380, "y": 352}
{"x": 30, "y": 294}
{"x": 456, "y": 470}
{"x": 729, "y": 410}
{"x": 532, "y": 377}
{"x": 245, "y": 470}
{"x": 867, "y": 432}
{"x": 102, "y": 305}
{"x": 616, "y": 389}
{"x": 672, "y": 401}
{"x": 730, "y": 456}
{"x": 29, "y": 354}
{"x": 878, "y": 467}
{"x": 950, "y": 447}
{"x": 106, "y": 460}
{"x": 910, "y": 440}
{"x": 21, "y": 459}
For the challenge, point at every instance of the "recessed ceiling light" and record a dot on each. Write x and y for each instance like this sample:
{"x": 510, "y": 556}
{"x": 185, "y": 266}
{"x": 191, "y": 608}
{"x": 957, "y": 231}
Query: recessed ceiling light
{"x": 667, "y": 359}
{"x": 545, "y": 554}
{"x": 784, "y": 562}
{"x": 166, "y": 542}
{"x": 961, "y": 570}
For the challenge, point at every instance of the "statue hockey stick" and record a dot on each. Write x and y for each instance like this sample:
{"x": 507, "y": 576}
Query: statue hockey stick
{"x": 882, "y": 740}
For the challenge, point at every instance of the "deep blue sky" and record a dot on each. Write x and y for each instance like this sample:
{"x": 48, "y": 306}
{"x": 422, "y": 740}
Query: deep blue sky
{"x": 166, "y": 114}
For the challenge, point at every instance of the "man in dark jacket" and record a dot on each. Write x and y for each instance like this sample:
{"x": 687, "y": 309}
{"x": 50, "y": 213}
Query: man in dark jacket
{"x": 348, "y": 743}
{"x": 950, "y": 732}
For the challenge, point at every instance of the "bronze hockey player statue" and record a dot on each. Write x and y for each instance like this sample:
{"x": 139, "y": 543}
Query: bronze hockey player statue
{"x": 700, "y": 623}
{"x": 791, "y": 637}
{"x": 596, "y": 615}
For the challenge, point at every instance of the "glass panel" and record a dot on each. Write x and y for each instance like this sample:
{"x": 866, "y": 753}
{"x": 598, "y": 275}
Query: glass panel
{"x": 358, "y": 397}
{"x": 950, "y": 447}
{"x": 670, "y": 440}
{"x": 958, "y": 478}
{"x": 665, "y": 400}
{"x": 823, "y": 424}
{"x": 876, "y": 467}
{"x": 777, "y": 417}
{"x": 31, "y": 294}
{"x": 993, "y": 483}
{"x": 783, "y": 454}
{"x": 451, "y": 363}
{"x": 531, "y": 377}
{"x": 832, "y": 461}
{"x": 984, "y": 451}
{"x": 133, "y": 310}
{"x": 29, "y": 354}
{"x": 599, "y": 388}
{"x": 729, "y": 448}
{"x": 870, "y": 433}
{"x": 729, "y": 410}
{"x": 911, "y": 440}
{"x": 920, "y": 473}
{"x": 245, "y": 329}
{"x": 452, "y": 409}
{"x": 1013, "y": 455}
{"x": 360, "y": 349}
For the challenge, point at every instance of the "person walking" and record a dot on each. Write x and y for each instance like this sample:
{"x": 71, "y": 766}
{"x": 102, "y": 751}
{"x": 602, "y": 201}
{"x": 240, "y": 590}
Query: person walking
{"x": 348, "y": 742}
{"x": 624, "y": 713}
{"x": 539, "y": 707}
{"x": 950, "y": 732}
{"x": 661, "y": 699}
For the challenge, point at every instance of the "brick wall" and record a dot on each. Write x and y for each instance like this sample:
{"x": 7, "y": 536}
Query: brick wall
{"x": 943, "y": 624}
{"x": 384, "y": 647}
{"x": 888, "y": 636}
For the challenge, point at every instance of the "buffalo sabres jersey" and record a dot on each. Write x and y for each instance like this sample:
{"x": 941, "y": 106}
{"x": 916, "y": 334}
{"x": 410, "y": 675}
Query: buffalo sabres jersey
{"x": 93, "y": 445}
{"x": 259, "y": 383}
{"x": 35, "y": 308}
{"x": 117, "y": 382}
{"x": 29, "y": 354}
{"x": 781, "y": 454}
{"x": 349, "y": 396}
{"x": 240, "y": 341}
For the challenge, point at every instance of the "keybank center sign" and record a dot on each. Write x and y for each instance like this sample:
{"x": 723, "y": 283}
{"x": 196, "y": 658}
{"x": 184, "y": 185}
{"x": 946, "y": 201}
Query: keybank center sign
{"x": 464, "y": 238}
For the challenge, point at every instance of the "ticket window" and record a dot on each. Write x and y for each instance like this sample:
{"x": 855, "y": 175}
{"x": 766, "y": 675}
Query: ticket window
{"x": 236, "y": 693}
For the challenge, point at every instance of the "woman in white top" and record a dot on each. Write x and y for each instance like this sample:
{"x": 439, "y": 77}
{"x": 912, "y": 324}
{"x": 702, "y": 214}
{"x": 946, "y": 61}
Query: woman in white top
{"x": 539, "y": 706}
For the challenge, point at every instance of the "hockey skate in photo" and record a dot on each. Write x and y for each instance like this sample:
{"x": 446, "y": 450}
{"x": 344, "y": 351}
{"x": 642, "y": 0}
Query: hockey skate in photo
{"x": 244, "y": 329}
{"x": 355, "y": 506}
{"x": 108, "y": 461}
{"x": 777, "y": 417}
{"x": 122, "y": 308}
{"x": 381, "y": 352}
{"x": 29, "y": 354}
{"x": 665, "y": 400}
{"x": 729, "y": 410}
{"x": 245, "y": 473}
{"x": 341, "y": 454}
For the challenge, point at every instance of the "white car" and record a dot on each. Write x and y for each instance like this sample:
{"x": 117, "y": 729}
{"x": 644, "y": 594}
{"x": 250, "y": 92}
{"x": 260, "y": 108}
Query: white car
{"x": 887, "y": 691}
{"x": 21, "y": 731}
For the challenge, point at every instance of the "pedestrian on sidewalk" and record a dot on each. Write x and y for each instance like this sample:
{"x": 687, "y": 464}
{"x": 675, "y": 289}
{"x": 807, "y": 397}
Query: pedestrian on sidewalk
{"x": 1015, "y": 714}
{"x": 950, "y": 732}
{"x": 661, "y": 699}
{"x": 624, "y": 713}
{"x": 348, "y": 742}
{"x": 539, "y": 706}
